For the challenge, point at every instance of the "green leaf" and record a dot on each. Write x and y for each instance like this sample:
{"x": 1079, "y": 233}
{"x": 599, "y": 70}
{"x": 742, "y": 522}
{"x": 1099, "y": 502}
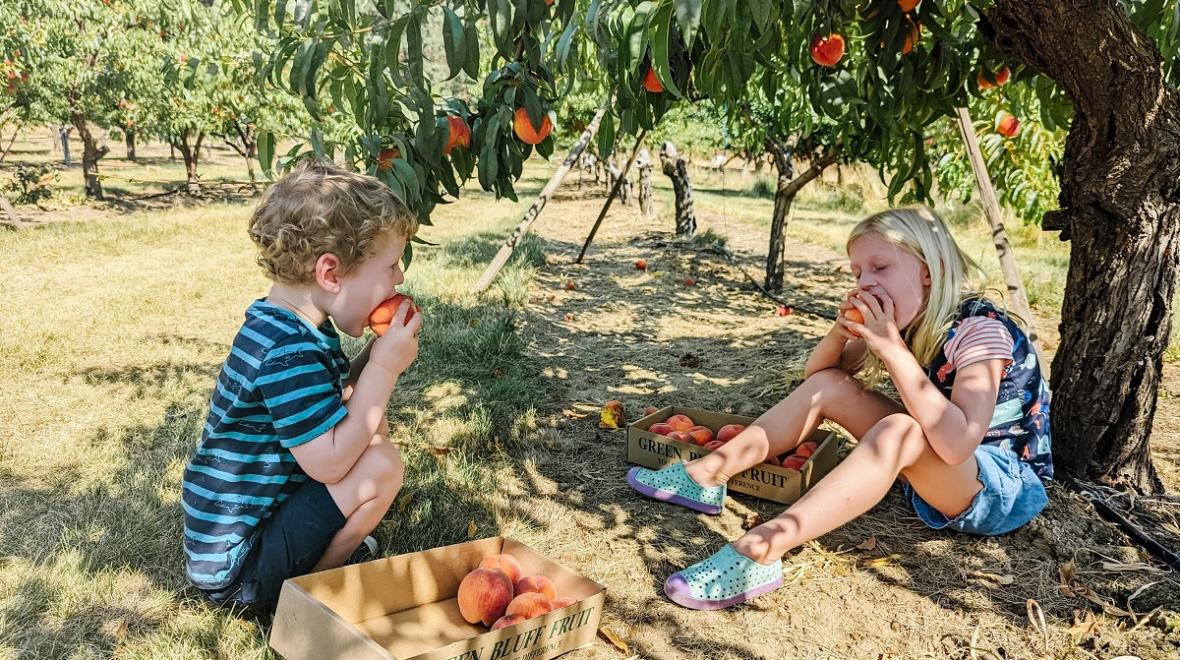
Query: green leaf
{"x": 688, "y": 16}
{"x": 454, "y": 42}
{"x": 266, "y": 153}
{"x": 414, "y": 53}
{"x": 606, "y": 136}
{"x": 471, "y": 50}
{"x": 408, "y": 256}
{"x": 660, "y": 45}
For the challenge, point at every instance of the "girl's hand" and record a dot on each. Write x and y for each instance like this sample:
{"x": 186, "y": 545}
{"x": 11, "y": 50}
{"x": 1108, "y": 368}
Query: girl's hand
{"x": 840, "y": 328}
{"x": 879, "y": 330}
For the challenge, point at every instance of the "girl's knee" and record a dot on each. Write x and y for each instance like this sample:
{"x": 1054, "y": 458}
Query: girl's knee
{"x": 895, "y": 434}
{"x": 827, "y": 378}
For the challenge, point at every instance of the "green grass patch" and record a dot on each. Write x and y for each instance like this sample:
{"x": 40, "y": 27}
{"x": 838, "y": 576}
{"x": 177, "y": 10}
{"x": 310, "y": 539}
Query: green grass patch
{"x": 114, "y": 331}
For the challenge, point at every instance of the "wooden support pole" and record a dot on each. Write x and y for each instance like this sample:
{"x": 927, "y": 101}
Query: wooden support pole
{"x": 613, "y": 193}
{"x": 991, "y": 208}
{"x": 534, "y": 211}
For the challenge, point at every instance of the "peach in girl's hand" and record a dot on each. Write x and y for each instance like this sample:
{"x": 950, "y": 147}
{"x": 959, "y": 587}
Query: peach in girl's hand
{"x": 382, "y": 316}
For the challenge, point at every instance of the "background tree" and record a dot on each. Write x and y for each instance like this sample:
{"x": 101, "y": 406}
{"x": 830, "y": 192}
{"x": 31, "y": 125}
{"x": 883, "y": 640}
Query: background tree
{"x": 91, "y": 55}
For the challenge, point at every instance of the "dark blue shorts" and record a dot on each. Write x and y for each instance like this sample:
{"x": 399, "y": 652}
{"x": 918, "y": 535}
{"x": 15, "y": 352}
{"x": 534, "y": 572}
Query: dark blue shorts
{"x": 288, "y": 544}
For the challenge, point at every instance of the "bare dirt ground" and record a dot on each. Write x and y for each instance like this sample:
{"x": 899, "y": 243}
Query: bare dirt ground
{"x": 1067, "y": 585}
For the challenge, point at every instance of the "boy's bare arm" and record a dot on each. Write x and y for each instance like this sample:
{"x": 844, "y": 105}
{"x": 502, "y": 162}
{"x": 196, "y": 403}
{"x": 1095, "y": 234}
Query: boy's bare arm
{"x": 329, "y": 458}
{"x": 355, "y": 367}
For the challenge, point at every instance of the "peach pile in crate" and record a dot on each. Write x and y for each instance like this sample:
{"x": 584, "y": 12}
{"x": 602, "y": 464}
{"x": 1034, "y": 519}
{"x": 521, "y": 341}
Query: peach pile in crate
{"x": 681, "y": 428}
{"x": 497, "y": 594}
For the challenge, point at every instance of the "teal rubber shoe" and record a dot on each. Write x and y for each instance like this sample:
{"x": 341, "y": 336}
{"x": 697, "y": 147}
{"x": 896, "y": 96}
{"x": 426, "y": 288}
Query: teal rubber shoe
{"x": 672, "y": 484}
{"x": 725, "y": 579}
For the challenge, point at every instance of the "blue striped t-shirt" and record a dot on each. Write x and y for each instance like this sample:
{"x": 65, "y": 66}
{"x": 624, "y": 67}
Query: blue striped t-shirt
{"x": 280, "y": 387}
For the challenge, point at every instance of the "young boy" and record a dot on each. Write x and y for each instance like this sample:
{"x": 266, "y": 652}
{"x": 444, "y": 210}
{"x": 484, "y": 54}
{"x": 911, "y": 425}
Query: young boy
{"x": 294, "y": 468}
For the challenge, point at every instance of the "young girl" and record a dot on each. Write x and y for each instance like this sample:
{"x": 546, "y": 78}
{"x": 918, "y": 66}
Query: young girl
{"x": 970, "y": 437}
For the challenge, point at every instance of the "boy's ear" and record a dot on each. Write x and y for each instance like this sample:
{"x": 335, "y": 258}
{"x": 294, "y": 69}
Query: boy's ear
{"x": 328, "y": 272}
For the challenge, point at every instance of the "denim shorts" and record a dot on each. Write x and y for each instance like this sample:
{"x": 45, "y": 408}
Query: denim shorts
{"x": 289, "y": 544}
{"x": 1012, "y": 495}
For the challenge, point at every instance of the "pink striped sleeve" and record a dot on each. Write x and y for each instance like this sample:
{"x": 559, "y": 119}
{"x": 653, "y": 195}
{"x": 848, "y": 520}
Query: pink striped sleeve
{"x": 979, "y": 338}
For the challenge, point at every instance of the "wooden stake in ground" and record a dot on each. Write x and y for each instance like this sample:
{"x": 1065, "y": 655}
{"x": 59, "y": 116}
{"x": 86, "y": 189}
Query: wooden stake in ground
{"x": 613, "y": 193}
{"x": 534, "y": 211}
{"x": 991, "y": 208}
{"x": 13, "y": 220}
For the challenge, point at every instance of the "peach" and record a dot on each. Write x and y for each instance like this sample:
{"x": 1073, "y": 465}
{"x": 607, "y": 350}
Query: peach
{"x": 380, "y": 318}
{"x": 651, "y": 82}
{"x": 794, "y": 462}
{"x": 729, "y": 432}
{"x": 527, "y": 131}
{"x": 714, "y": 445}
{"x": 680, "y": 422}
{"x": 681, "y": 436}
{"x": 1007, "y": 125}
{"x": 458, "y": 134}
{"x": 772, "y": 460}
{"x": 506, "y": 563}
{"x": 484, "y": 595}
{"x": 641, "y": 264}
{"x": 660, "y": 428}
{"x": 806, "y": 449}
{"x": 564, "y": 601}
{"x": 530, "y": 605}
{"x": 650, "y": 410}
{"x": 701, "y": 435}
{"x": 536, "y": 584}
{"x": 827, "y": 50}
{"x": 507, "y": 620}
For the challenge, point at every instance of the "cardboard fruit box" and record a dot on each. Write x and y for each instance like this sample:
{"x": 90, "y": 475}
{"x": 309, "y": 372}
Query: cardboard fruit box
{"x": 765, "y": 481}
{"x": 405, "y": 607}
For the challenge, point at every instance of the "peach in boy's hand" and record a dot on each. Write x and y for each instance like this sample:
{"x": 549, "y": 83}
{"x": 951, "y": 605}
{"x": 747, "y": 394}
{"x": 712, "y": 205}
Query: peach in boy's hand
{"x": 397, "y": 348}
{"x": 382, "y": 316}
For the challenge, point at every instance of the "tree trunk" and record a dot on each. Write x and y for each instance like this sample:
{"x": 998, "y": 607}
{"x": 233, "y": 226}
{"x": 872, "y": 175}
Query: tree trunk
{"x": 676, "y": 168}
{"x": 129, "y": 140}
{"x": 776, "y": 255}
{"x": 1120, "y": 208}
{"x": 646, "y": 202}
{"x": 784, "y": 196}
{"x": 171, "y": 151}
{"x": 91, "y": 154}
{"x": 63, "y": 136}
{"x": 251, "y": 155}
{"x": 192, "y": 155}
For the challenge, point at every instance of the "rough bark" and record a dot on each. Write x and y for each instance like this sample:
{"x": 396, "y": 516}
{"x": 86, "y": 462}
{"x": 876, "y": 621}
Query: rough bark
{"x": 676, "y": 168}
{"x": 189, "y": 146}
{"x": 1120, "y": 209}
{"x": 129, "y": 140}
{"x": 784, "y": 196}
{"x": 91, "y": 154}
{"x": 646, "y": 203}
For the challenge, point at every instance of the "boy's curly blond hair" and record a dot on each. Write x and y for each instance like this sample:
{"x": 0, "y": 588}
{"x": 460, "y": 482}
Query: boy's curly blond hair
{"x": 321, "y": 208}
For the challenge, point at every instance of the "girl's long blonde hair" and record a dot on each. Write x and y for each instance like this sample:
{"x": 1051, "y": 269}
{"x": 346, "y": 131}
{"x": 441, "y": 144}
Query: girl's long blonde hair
{"x": 954, "y": 277}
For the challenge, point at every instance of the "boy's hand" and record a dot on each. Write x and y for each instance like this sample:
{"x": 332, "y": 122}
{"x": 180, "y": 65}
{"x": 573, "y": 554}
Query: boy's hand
{"x": 397, "y": 349}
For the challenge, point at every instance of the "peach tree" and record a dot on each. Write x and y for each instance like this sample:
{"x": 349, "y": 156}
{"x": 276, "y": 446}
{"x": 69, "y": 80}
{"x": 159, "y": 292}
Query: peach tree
{"x": 876, "y": 75}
